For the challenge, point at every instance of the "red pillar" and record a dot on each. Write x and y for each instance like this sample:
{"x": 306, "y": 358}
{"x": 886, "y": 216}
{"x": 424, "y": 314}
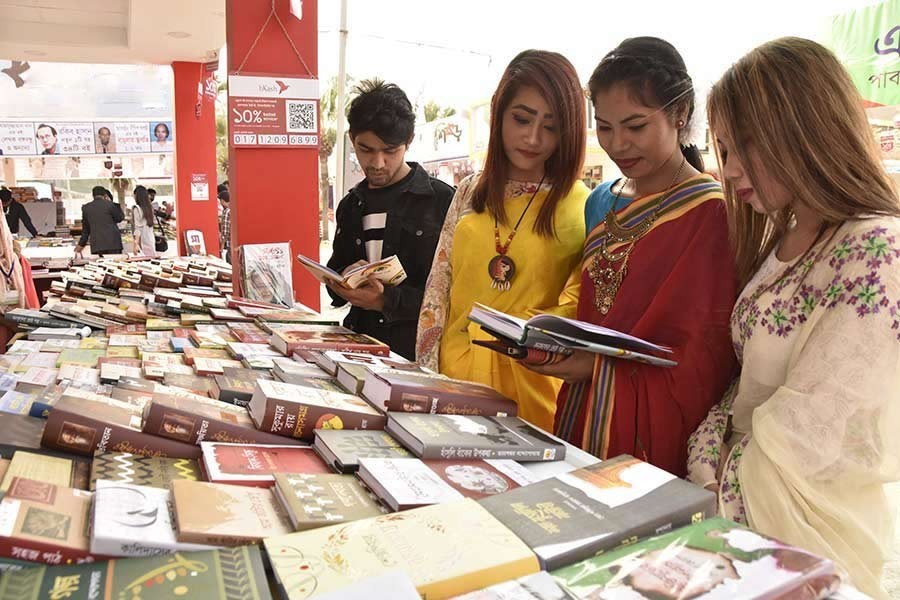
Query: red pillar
{"x": 274, "y": 191}
{"x": 195, "y": 157}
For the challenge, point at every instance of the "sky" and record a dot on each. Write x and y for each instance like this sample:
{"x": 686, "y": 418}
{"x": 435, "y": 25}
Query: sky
{"x": 454, "y": 52}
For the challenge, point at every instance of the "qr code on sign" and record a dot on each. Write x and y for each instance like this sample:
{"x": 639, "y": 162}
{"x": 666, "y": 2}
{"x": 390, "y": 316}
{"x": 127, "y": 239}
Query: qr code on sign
{"x": 301, "y": 116}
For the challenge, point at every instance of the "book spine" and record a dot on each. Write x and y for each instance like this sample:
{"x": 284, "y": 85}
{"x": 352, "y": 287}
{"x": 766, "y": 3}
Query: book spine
{"x": 106, "y": 437}
{"x": 205, "y": 429}
{"x": 41, "y": 552}
{"x": 465, "y": 451}
{"x": 37, "y": 321}
{"x": 448, "y": 403}
{"x": 236, "y": 397}
{"x": 297, "y": 420}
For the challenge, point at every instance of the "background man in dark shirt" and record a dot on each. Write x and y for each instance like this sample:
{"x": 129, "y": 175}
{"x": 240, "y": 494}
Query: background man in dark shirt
{"x": 397, "y": 209}
{"x": 15, "y": 212}
{"x": 98, "y": 221}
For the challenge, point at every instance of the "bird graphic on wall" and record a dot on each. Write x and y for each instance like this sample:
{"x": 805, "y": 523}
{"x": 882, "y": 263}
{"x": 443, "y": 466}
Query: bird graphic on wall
{"x": 15, "y": 70}
{"x": 281, "y": 85}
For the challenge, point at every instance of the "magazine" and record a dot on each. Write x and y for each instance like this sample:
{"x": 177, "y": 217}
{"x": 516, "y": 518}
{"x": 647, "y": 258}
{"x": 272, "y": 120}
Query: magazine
{"x": 193, "y": 241}
{"x": 266, "y": 273}
{"x": 552, "y": 333}
{"x": 388, "y": 271}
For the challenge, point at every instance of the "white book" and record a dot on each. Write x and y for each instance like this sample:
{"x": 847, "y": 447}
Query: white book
{"x": 111, "y": 372}
{"x": 404, "y": 483}
{"x": 25, "y": 347}
{"x": 47, "y": 333}
{"x": 388, "y": 271}
{"x": 36, "y": 379}
{"x": 240, "y": 350}
{"x": 58, "y": 345}
{"x": 79, "y": 374}
{"x": 134, "y": 520}
{"x": 46, "y": 360}
{"x": 393, "y": 585}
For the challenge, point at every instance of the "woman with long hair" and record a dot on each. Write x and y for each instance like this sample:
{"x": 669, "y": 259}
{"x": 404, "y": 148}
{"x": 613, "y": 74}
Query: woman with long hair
{"x": 142, "y": 223}
{"x": 801, "y": 446}
{"x": 513, "y": 234}
{"x": 656, "y": 265}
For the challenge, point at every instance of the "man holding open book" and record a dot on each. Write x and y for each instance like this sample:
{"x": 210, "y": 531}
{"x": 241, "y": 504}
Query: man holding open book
{"x": 396, "y": 210}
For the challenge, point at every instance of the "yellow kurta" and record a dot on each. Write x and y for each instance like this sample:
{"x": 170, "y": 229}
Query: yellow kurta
{"x": 546, "y": 280}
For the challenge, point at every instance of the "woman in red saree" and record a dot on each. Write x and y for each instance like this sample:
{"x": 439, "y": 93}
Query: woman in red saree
{"x": 657, "y": 264}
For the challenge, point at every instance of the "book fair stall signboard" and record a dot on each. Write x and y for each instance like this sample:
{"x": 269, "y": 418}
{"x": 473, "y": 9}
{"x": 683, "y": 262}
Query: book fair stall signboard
{"x": 273, "y": 111}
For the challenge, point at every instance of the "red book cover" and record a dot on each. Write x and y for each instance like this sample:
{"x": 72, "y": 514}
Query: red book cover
{"x": 291, "y": 340}
{"x": 249, "y": 464}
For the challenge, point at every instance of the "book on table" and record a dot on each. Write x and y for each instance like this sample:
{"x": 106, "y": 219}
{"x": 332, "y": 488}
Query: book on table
{"x": 552, "y": 333}
{"x": 388, "y": 271}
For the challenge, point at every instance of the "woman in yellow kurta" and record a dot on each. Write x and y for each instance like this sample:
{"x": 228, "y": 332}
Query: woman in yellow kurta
{"x": 513, "y": 235}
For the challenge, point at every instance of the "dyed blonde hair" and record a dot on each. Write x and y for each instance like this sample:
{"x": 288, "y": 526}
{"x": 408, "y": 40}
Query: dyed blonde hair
{"x": 791, "y": 104}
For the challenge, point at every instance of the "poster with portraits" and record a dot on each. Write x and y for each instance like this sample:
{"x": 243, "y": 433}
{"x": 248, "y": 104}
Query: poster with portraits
{"x": 74, "y": 138}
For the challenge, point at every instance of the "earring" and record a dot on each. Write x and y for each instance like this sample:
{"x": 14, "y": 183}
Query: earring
{"x": 680, "y": 123}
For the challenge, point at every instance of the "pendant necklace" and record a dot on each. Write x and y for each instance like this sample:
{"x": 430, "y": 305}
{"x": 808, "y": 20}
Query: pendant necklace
{"x": 502, "y": 268}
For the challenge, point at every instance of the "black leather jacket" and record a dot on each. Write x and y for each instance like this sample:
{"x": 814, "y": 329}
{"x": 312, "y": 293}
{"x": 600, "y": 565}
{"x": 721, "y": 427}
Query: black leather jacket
{"x": 414, "y": 221}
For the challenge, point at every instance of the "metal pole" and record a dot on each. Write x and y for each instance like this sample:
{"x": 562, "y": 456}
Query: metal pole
{"x": 341, "y": 98}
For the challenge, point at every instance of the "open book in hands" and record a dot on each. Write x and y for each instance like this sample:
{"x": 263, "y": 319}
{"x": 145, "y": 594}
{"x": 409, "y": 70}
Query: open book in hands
{"x": 388, "y": 271}
{"x": 554, "y": 334}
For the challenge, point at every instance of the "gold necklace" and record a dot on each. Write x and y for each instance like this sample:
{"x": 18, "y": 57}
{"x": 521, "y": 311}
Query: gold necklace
{"x": 607, "y": 280}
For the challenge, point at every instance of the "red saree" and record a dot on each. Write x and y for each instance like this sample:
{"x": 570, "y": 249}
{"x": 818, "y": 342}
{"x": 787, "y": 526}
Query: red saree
{"x": 678, "y": 291}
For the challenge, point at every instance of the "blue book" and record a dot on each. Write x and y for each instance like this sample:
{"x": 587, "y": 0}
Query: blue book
{"x": 179, "y": 344}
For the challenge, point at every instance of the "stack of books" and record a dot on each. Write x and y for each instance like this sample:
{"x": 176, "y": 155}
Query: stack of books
{"x": 161, "y": 437}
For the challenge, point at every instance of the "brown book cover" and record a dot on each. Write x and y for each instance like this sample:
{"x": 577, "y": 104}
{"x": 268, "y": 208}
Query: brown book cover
{"x": 191, "y": 353}
{"x": 297, "y": 411}
{"x": 193, "y": 421}
{"x": 413, "y": 392}
{"x": 288, "y": 341}
{"x": 84, "y": 426}
{"x": 226, "y": 515}
{"x": 313, "y": 500}
{"x": 45, "y": 523}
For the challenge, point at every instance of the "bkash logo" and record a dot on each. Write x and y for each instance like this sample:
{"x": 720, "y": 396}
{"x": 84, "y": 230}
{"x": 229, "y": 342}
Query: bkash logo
{"x": 282, "y": 86}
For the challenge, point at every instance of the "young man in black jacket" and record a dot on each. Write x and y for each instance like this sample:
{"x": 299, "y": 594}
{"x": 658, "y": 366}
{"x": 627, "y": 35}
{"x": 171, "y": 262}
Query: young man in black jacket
{"x": 397, "y": 209}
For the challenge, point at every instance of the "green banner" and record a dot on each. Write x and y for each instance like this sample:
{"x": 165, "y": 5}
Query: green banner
{"x": 867, "y": 41}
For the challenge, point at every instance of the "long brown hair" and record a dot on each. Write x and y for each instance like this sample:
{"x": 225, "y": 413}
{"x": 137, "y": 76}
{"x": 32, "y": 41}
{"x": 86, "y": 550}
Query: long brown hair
{"x": 556, "y": 80}
{"x": 792, "y": 103}
{"x": 142, "y": 199}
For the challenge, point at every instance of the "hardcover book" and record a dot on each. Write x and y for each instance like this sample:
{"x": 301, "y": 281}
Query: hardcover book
{"x": 314, "y": 500}
{"x": 226, "y": 574}
{"x": 134, "y": 520}
{"x": 44, "y": 523}
{"x": 404, "y": 483}
{"x": 257, "y": 464}
{"x": 711, "y": 559}
{"x": 416, "y": 392}
{"x": 288, "y": 341}
{"x": 226, "y": 515}
{"x": 575, "y": 515}
{"x": 467, "y": 437}
{"x": 447, "y": 549}
{"x": 153, "y": 471}
{"x": 195, "y": 419}
{"x": 54, "y": 470}
{"x": 297, "y": 411}
{"x": 84, "y": 426}
{"x": 343, "y": 448}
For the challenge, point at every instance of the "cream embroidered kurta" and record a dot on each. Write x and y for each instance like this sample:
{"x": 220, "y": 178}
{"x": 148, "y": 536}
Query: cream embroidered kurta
{"x": 816, "y": 411}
